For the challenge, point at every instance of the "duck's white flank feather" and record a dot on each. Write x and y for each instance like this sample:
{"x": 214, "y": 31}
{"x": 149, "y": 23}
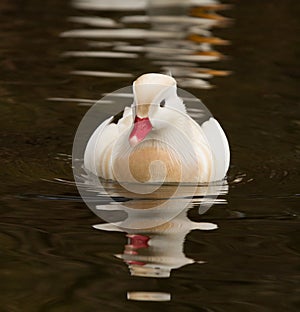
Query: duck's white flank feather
{"x": 219, "y": 147}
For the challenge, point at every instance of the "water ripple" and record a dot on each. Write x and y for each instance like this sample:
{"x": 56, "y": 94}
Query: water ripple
{"x": 173, "y": 35}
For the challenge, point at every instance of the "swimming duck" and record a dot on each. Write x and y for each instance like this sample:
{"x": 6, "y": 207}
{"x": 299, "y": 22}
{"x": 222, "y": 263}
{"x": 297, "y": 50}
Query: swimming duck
{"x": 155, "y": 140}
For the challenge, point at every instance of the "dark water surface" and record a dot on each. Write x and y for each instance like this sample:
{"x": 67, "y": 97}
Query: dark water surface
{"x": 51, "y": 257}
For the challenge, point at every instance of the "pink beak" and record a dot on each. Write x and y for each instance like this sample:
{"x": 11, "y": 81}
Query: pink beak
{"x": 142, "y": 126}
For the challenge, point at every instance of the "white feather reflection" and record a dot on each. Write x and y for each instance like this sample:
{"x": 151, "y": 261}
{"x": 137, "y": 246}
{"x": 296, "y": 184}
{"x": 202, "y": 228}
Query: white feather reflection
{"x": 100, "y": 74}
{"x": 95, "y": 21}
{"x": 174, "y": 35}
{"x": 102, "y": 54}
{"x": 148, "y": 296}
{"x": 116, "y": 5}
{"x": 154, "y": 249}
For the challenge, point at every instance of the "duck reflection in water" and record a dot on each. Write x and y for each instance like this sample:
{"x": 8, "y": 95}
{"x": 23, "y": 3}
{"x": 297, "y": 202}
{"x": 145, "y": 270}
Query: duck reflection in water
{"x": 155, "y": 251}
{"x": 175, "y": 36}
{"x": 156, "y": 227}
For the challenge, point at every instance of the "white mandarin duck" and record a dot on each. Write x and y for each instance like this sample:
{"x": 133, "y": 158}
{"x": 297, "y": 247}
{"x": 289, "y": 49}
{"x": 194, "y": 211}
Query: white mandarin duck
{"x": 155, "y": 140}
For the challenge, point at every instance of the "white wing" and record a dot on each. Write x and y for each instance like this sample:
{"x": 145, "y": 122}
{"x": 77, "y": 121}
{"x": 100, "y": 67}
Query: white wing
{"x": 219, "y": 146}
{"x": 97, "y": 156}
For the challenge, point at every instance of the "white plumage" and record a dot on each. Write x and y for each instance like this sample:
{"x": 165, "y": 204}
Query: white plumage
{"x": 155, "y": 140}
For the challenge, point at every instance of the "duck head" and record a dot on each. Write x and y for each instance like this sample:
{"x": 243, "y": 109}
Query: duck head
{"x": 153, "y": 95}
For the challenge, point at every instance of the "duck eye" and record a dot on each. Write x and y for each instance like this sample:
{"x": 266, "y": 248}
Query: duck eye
{"x": 162, "y": 103}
